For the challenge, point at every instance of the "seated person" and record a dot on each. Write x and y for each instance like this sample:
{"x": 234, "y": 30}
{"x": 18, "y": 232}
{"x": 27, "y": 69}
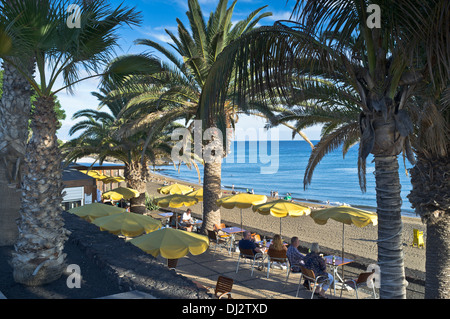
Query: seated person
{"x": 277, "y": 243}
{"x": 317, "y": 264}
{"x": 122, "y": 203}
{"x": 247, "y": 243}
{"x": 296, "y": 258}
{"x": 173, "y": 221}
{"x": 108, "y": 202}
{"x": 187, "y": 220}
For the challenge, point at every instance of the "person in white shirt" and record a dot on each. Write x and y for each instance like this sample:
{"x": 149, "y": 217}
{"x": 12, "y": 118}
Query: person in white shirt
{"x": 187, "y": 220}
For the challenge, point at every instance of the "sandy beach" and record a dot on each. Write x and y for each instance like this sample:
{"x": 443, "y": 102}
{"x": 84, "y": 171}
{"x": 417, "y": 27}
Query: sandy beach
{"x": 360, "y": 243}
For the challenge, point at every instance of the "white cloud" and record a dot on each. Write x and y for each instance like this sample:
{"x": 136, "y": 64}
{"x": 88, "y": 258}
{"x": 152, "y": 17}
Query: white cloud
{"x": 247, "y": 122}
{"x": 159, "y": 33}
{"x": 279, "y": 15}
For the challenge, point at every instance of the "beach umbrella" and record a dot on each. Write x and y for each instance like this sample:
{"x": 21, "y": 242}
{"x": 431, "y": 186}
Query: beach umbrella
{"x": 90, "y": 212}
{"x": 175, "y": 201}
{"x": 90, "y": 173}
{"x": 95, "y": 174}
{"x": 172, "y": 243}
{"x": 347, "y": 216}
{"x": 175, "y": 189}
{"x": 197, "y": 194}
{"x": 241, "y": 200}
{"x": 113, "y": 179}
{"x": 128, "y": 224}
{"x": 121, "y": 192}
{"x": 281, "y": 208}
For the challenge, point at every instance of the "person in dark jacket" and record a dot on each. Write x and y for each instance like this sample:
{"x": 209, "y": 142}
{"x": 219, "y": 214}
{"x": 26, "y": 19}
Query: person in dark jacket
{"x": 317, "y": 264}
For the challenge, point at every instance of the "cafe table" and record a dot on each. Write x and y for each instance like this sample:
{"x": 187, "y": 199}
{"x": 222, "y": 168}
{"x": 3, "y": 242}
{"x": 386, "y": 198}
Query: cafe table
{"x": 196, "y": 224}
{"x": 166, "y": 215}
{"x": 232, "y": 231}
{"x": 334, "y": 268}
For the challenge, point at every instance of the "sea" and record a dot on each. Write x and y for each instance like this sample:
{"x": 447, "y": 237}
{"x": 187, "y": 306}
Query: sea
{"x": 267, "y": 166}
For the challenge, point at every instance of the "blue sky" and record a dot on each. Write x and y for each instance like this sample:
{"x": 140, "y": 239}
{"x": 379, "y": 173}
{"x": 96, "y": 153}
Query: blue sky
{"x": 159, "y": 15}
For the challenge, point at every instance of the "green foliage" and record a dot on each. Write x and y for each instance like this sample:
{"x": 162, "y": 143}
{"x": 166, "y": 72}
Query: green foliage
{"x": 149, "y": 204}
{"x": 60, "y": 113}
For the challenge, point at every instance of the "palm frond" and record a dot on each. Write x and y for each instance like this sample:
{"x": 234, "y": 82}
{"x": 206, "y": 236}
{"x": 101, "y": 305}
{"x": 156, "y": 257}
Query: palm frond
{"x": 327, "y": 144}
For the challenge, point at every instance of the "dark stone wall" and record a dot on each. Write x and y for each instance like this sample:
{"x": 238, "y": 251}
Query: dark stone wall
{"x": 129, "y": 266}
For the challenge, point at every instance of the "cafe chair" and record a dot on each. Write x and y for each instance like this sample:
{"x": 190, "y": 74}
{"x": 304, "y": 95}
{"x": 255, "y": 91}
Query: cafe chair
{"x": 172, "y": 263}
{"x": 256, "y": 238}
{"x": 223, "y": 287}
{"x": 309, "y": 274}
{"x": 247, "y": 254}
{"x": 218, "y": 240}
{"x": 291, "y": 267}
{"x": 276, "y": 256}
{"x": 175, "y": 221}
{"x": 362, "y": 281}
{"x": 217, "y": 229}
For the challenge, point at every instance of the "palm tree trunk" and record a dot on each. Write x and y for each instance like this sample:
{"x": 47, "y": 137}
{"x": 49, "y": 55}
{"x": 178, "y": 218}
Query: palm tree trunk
{"x": 429, "y": 197}
{"x": 211, "y": 192}
{"x": 136, "y": 176}
{"x": 390, "y": 225}
{"x": 437, "y": 265}
{"x": 15, "y": 109}
{"x": 39, "y": 256}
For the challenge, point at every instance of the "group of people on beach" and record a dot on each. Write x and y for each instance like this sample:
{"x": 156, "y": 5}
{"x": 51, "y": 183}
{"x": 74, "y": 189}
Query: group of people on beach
{"x": 313, "y": 260}
{"x": 186, "y": 221}
{"x": 274, "y": 194}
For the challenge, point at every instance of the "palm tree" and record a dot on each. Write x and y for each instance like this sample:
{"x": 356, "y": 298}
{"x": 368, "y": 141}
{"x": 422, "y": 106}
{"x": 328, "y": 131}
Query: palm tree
{"x": 429, "y": 177}
{"x": 59, "y": 52}
{"x": 335, "y": 112}
{"x": 98, "y": 137}
{"x": 429, "y": 194}
{"x": 379, "y": 69}
{"x": 15, "y": 113}
{"x": 199, "y": 49}
{"x": 15, "y": 109}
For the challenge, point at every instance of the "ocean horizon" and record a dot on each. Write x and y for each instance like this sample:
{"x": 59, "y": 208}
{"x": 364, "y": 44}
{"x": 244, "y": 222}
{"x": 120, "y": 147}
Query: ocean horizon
{"x": 267, "y": 166}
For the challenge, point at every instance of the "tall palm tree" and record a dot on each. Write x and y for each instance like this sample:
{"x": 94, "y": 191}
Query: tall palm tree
{"x": 198, "y": 49}
{"x": 15, "y": 109}
{"x": 98, "y": 137}
{"x": 429, "y": 177}
{"x": 379, "y": 69}
{"x": 59, "y": 52}
{"x": 430, "y": 184}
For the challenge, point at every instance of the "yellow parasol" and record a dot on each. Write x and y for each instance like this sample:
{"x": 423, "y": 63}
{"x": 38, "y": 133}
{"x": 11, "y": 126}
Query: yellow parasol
{"x": 121, "y": 192}
{"x": 128, "y": 224}
{"x": 281, "y": 208}
{"x": 95, "y": 174}
{"x": 197, "y": 194}
{"x": 175, "y": 201}
{"x": 172, "y": 243}
{"x": 95, "y": 210}
{"x": 113, "y": 179}
{"x": 241, "y": 200}
{"x": 175, "y": 189}
{"x": 346, "y": 215}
